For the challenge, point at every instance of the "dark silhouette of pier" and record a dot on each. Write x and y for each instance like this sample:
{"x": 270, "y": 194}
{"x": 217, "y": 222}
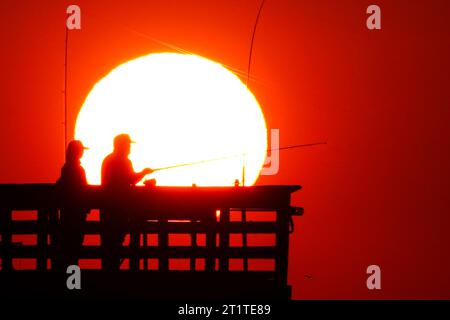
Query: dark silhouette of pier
{"x": 207, "y": 216}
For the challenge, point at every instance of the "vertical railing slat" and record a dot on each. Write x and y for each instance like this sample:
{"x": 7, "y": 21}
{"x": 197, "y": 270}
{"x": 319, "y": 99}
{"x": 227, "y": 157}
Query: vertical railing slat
{"x": 282, "y": 244}
{"x": 134, "y": 245}
{"x": 210, "y": 260}
{"x": 224, "y": 240}
{"x": 42, "y": 222}
{"x": 244, "y": 238}
{"x": 193, "y": 245}
{"x": 163, "y": 245}
{"x": 6, "y": 243}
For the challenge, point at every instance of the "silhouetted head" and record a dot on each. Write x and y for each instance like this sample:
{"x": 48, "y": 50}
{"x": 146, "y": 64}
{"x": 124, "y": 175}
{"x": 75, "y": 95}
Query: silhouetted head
{"x": 74, "y": 151}
{"x": 122, "y": 144}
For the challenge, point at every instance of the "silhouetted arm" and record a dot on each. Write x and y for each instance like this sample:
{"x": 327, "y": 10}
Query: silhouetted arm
{"x": 138, "y": 176}
{"x": 142, "y": 174}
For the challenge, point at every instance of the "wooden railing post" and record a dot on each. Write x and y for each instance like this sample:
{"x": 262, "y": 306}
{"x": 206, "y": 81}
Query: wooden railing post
{"x": 224, "y": 243}
{"x": 163, "y": 245}
{"x": 193, "y": 245}
{"x": 6, "y": 243}
{"x": 134, "y": 244}
{"x": 145, "y": 247}
{"x": 282, "y": 244}
{"x": 244, "y": 239}
{"x": 42, "y": 221}
{"x": 210, "y": 260}
{"x": 53, "y": 225}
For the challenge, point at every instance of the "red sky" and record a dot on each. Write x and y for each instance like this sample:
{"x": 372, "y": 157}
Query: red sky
{"x": 377, "y": 193}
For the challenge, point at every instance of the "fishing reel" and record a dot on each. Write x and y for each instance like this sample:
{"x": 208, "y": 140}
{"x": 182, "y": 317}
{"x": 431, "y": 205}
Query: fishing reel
{"x": 150, "y": 183}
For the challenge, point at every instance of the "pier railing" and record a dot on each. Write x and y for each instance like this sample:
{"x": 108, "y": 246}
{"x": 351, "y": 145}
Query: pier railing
{"x": 175, "y": 234}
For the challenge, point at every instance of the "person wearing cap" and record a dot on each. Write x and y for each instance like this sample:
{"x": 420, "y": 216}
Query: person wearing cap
{"x": 117, "y": 169}
{"x": 72, "y": 218}
{"x": 118, "y": 176}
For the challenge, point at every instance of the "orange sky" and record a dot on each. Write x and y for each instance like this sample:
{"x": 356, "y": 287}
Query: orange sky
{"x": 377, "y": 193}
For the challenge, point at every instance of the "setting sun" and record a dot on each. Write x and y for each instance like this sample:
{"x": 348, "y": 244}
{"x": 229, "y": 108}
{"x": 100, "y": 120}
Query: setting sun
{"x": 179, "y": 109}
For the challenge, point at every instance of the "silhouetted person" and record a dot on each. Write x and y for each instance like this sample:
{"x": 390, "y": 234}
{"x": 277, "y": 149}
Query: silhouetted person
{"x": 70, "y": 187}
{"x": 118, "y": 177}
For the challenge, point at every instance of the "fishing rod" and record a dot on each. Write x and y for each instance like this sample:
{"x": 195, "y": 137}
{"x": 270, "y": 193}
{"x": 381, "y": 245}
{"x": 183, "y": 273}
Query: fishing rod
{"x": 251, "y": 43}
{"x": 65, "y": 91}
{"x": 238, "y": 155}
{"x": 248, "y": 74}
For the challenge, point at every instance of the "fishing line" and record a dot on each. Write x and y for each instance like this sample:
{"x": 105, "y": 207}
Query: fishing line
{"x": 238, "y": 155}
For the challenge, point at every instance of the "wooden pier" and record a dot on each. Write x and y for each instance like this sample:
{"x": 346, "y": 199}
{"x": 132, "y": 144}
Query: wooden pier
{"x": 236, "y": 243}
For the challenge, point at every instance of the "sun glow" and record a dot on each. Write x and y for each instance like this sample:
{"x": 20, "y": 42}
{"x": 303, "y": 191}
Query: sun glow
{"x": 179, "y": 109}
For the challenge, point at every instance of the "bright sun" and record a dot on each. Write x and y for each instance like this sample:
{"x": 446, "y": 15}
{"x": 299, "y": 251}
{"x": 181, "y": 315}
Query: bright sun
{"x": 179, "y": 109}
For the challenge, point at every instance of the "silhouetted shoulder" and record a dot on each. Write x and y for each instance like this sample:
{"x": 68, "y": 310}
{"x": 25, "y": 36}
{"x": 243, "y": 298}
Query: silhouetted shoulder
{"x": 72, "y": 175}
